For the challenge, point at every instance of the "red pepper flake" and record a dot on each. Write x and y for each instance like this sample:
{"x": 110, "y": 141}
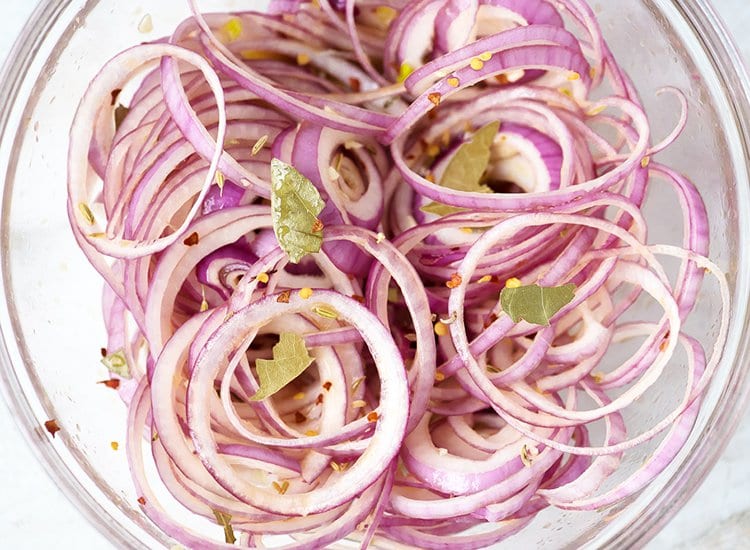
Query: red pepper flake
{"x": 104, "y": 352}
{"x": 192, "y": 239}
{"x": 327, "y": 386}
{"x": 357, "y": 383}
{"x": 664, "y": 342}
{"x": 372, "y": 417}
{"x": 142, "y": 501}
{"x": 490, "y": 319}
{"x": 52, "y": 427}
{"x": 502, "y": 79}
{"x": 112, "y": 384}
{"x": 120, "y": 114}
{"x": 454, "y": 281}
{"x": 358, "y": 298}
{"x": 299, "y": 418}
{"x": 115, "y": 95}
{"x": 319, "y": 399}
{"x": 434, "y": 97}
{"x": 433, "y": 150}
{"x": 355, "y": 84}
{"x": 283, "y": 298}
{"x": 317, "y": 226}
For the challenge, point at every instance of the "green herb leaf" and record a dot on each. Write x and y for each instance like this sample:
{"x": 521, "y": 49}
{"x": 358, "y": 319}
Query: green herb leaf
{"x": 440, "y": 209}
{"x": 225, "y": 521}
{"x": 534, "y": 303}
{"x": 295, "y": 206}
{"x": 117, "y": 364}
{"x": 290, "y": 359}
{"x": 466, "y": 168}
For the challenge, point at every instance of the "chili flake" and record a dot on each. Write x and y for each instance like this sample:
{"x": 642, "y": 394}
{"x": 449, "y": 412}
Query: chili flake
{"x": 454, "y": 281}
{"x": 192, "y": 239}
{"x": 112, "y": 384}
{"x": 233, "y": 29}
{"x": 404, "y": 71}
{"x": 52, "y": 427}
{"x": 513, "y": 282}
{"x": 259, "y": 144}
{"x": 303, "y": 59}
{"x": 87, "y": 213}
{"x": 317, "y": 226}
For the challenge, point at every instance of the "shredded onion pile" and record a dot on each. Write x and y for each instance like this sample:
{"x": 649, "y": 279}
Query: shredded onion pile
{"x": 427, "y": 410}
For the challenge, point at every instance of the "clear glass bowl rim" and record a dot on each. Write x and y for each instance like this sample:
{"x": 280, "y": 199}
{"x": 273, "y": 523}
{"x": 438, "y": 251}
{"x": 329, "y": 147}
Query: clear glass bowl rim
{"x": 708, "y": 30}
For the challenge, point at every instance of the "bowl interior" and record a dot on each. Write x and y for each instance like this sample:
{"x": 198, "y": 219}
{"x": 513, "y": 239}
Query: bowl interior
{"x": 53, "y": 330}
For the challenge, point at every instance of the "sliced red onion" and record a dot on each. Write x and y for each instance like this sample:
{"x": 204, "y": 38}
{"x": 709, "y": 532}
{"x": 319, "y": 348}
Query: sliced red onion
{"x": 428, "y": 418}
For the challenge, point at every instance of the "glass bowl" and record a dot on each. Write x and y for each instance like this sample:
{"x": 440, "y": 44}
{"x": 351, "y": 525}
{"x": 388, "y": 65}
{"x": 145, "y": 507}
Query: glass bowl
{"x": 51, "y": 322}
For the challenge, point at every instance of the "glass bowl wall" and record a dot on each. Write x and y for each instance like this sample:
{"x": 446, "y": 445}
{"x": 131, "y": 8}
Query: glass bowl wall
{"x": 52, "y": 329}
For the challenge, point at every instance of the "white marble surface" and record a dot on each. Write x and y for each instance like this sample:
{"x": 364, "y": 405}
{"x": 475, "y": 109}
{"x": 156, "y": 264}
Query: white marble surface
{"x": 34, "y": 514}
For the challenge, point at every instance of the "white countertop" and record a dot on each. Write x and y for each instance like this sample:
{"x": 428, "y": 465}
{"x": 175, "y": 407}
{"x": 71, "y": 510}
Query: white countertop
{"x": 34, "y": 514}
